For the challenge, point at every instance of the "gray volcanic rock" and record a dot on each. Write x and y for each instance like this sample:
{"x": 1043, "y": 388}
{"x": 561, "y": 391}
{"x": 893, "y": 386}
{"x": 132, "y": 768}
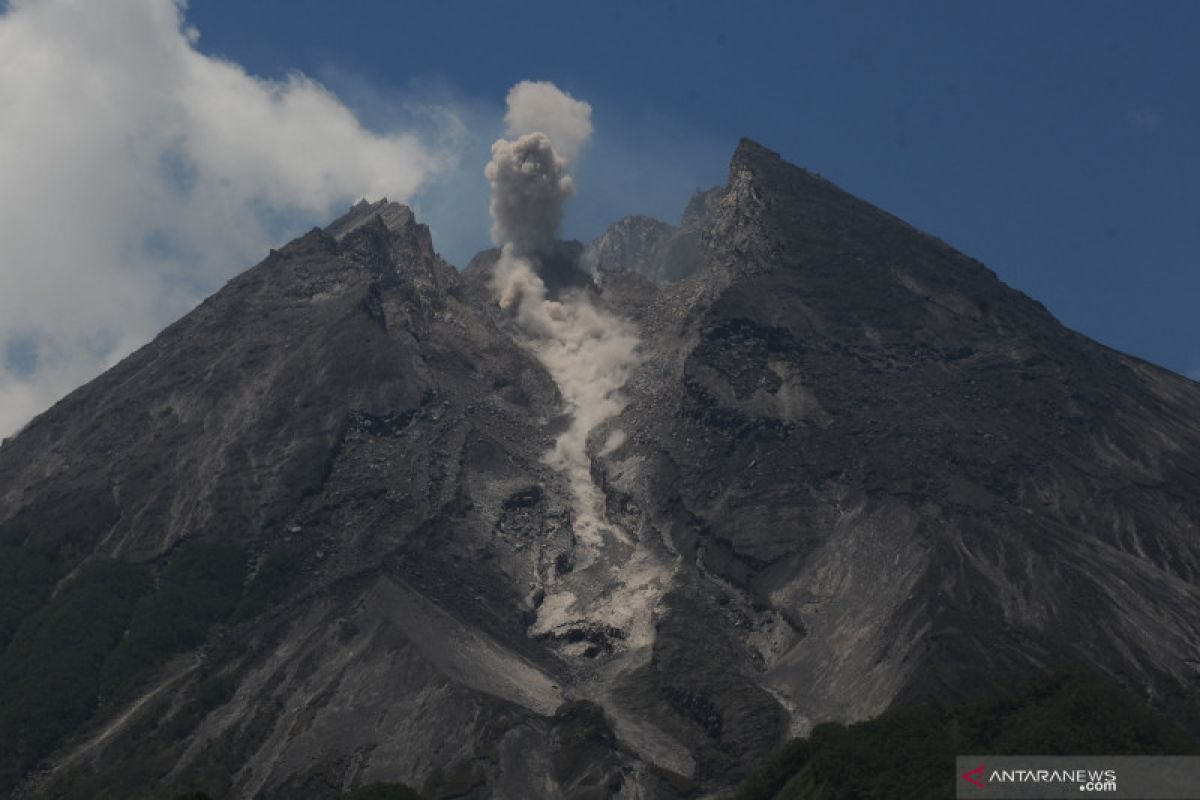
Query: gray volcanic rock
{"x": 648, "y": 247}
{"x": 853, "y": 467}
{"x": 337, "y": 404}
{"x": 633, "y": 244}
{"x": 912, "y": 476}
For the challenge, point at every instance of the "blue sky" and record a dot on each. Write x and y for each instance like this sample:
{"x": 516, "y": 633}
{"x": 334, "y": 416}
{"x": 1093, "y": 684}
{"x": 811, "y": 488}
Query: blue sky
{"x": 1056, "y": 142}
{"x": 151, "y": 150}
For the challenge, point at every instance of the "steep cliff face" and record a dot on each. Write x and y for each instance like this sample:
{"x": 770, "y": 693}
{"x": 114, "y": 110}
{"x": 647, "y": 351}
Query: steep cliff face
{"x": 849, "y": 467}
{"x": 913, "y": 475}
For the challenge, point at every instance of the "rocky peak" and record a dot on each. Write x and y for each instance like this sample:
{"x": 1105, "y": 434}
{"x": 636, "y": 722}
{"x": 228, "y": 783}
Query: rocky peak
{"x": 751, "y": 154}
{"x": 386, "y": 237}
{"x": 632, "y": 244}
{"x": 758, "y": 166}
{"x": 700, "y": 206}
{"x": 664, "y": 253}
{"x": 397, "y": 218}
{"x": 648, "y": 247}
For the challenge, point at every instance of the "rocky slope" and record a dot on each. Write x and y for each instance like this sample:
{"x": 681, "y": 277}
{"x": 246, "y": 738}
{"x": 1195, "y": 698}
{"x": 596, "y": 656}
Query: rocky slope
{"x": 851, "y": 468}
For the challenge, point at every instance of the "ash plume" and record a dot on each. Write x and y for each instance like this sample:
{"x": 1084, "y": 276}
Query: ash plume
{"x": 542, "y": 106}
{"x": 589, "y": 352}
{"x": 530, "y": 187}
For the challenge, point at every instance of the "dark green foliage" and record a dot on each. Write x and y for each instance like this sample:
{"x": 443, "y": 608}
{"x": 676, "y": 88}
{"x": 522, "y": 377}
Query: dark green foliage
{"x": 39, "y": 546}
{"x": 910, "y": 752}
{"x": 50, "y": 671}
{"x": 138, "y": 760}
{"x": 108, "y": 627}
{"x": 771, "y": 777}
{"x": 68, "y": 523}
{"x": 26, "y": 577}
{"x": 1083, "y": 715}
{"x": 382, "y": 791}
{"x": 199, "y": 586}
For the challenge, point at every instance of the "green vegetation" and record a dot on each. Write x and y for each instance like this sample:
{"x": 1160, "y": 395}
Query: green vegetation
{"x": 137, "y": 761}
{"x": 199, "y": 587}
{"x": 87, "y": 649}
{"x": 38, "y": 547}
{"x": 27, "y": 575}
{"x": 910, "y": 752}
{"x": 50, "y": 671}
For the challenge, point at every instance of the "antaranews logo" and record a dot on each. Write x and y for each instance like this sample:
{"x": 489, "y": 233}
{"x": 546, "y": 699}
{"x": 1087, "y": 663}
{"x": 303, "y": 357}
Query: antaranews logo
{"x": 1146, "y": 777}
{"x": 975, "y": 777}
{"x": 1089, "y": 780}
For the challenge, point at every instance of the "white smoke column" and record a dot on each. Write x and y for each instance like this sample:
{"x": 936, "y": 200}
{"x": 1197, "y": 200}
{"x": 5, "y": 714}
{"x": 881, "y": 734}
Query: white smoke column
{"x": 540, "y": 106}
{"x": 589, "y": 352}
{"x": 529, "y": 189}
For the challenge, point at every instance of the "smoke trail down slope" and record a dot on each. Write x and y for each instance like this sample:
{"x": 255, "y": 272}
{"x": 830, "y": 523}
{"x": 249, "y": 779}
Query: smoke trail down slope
{"x": 616, "y": 579}
{"x": 589, "y": 352}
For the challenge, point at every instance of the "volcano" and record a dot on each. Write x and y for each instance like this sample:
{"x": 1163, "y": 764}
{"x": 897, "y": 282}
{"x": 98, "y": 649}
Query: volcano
{"x": 310, "y": 537}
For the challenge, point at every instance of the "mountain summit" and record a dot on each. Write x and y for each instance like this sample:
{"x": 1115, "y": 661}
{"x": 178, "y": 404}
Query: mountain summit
{"x": 345, "y": 523}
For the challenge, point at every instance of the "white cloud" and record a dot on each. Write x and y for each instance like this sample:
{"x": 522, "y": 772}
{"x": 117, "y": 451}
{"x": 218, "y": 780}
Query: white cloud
{"x": 541, "y": 107}
{"x": 137, "y": 174}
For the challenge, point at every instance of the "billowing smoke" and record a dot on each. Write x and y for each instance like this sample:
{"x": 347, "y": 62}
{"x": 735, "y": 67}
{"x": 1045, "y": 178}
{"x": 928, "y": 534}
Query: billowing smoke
{"x": 528, "y": 173}
{"x": 542, "y": 106}
{"x": 530, "y": 186}
{"x": 589, "y": 352}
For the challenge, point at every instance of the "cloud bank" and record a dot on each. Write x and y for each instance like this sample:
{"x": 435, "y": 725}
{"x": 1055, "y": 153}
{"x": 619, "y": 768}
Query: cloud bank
{"x": 137, "y": 174}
